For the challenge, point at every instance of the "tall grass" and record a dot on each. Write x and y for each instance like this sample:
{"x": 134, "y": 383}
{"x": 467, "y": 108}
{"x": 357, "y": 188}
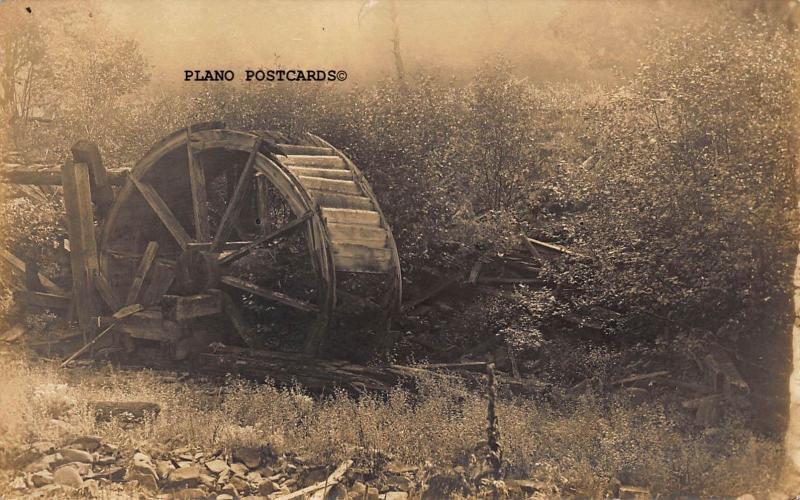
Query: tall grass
{"x": 582, "y": 446}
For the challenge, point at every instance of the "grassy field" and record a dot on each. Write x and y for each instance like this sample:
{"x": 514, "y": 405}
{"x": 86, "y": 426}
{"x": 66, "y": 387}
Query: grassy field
{"x": 584, "y": 446}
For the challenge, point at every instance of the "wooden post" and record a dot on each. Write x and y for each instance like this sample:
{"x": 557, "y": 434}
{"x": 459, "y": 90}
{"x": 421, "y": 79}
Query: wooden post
{"x": 262, "y": 202}
{"x": 101, "y": 192}
{"x": 83, "y": 248}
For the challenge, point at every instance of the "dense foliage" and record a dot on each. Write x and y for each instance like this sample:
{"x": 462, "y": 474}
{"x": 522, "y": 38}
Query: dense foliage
{"x": 678, "y": 182}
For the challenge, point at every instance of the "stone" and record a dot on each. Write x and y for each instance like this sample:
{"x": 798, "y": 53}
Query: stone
{"x": 73, "y": 455}
{"x": 239, "y": 469}
{"x": 267, "y": 488}
{"x": 144, "y": 473}
{"x": 87, "y": 443}
{"x": 105, "y": 460}
{"x": 91, "y": 488}
{"x": 42, "y": 478}
{"x": 224, "y": 496}
{"x": 372, "y": 493}
{"x": 217, "y": 466}
{"x": 240, "y": 483}
{"x": 43, "y": 447}
{"x": 248, "y": 455}
{"x": 358, "y": 488}
{"x": 68, "y": 476}
{"x": 184, "y": 477}
{"x": 230, "y": 489}
{"x": 82, "y": 468}
{"x": 116, "y": 474}
{"x": 143, "y": 458}
{"x": 207, "y": 480}
{"x": 163, "y": 468}
{"x": 189, "y": 493}
{"x": 44, "y": 463}
{"x": 184, "y": 463}
{"x": 394, "y": 495}
{"x": 18, "y": 483}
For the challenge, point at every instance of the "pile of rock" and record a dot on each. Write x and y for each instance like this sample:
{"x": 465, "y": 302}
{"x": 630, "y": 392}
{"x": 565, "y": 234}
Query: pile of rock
{"x": 87, "y": 466}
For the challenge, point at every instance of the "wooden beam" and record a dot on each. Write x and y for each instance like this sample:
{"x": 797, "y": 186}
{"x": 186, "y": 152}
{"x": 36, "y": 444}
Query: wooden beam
{"x": 102, "y": 194}
{"x": 197, "y": 181}
{"x": 269, "y": 294}
{"x": 235, "y": 203}
{"x": 183, "y": 307}
{"x": 48, "y": 300}
{"x": 163, "y": 212}
{"x": 162, "y": 277}
{"x": 231, "y": 257}
{"x": 106, "y": 292}
{"x": 83, "y": 247}
{"x": 262, "y": 202}
{"x": 141, "y": 273}
{"x": 19, "y": 265}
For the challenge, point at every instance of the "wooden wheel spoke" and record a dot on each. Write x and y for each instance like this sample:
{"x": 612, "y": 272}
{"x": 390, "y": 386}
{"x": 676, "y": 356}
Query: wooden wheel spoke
{"x": 235, "y": 204}
{"x": 163, "y": 212}
{"x": 197, "y": 180}
{"x": 283, "y": 231}
{"x": 268, "y": 294}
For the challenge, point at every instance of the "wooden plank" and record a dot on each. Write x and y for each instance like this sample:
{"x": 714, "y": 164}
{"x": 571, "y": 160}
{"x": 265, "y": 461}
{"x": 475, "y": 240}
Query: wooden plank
{"x": 335, "y": 200}
{"x": 239, "y": 322}
{"x": 294, "y": 149}
{"x": 184, "y": 307}
{"x": 163, "y": 212}
{"x": 103, "y": 196}
{"x": 151, "y": 325}
{"x": 237, "y": 199}
{"x": 330, "y": 185}
{"x": 19, "y": 265}
{"x": 141, "y": 273}
{"x": 41, "y": 299}
{"x": 359, "y": 234}
{"x": 326, "y": 173}
{"x": 314, "y": 161}
{"x": 350, "y": 216}
{"x": 360, "y": 258}
{"x": 269, "y": 294}
{"x": 554, "y": 247}
{"x": 83, "y": 248}
{"x": 106, "y": 292}
{"x": 162, "y": 277}
{"x": 320, "y": 489}
{"x": 197, "y": 181}
{"x": 262, "y": 203}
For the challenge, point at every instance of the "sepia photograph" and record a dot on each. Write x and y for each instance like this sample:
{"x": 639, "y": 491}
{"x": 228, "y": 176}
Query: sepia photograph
{"x": 399, "y": 249}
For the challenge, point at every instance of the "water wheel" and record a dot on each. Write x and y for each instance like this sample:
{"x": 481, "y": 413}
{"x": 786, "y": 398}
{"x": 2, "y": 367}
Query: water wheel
{"x": 265, "y": 224}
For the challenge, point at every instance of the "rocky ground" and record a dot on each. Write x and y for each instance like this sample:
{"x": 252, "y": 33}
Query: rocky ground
{"x": 87, "y": 466}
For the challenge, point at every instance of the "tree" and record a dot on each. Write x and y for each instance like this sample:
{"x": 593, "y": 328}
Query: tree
{"x": 21, "y": 52}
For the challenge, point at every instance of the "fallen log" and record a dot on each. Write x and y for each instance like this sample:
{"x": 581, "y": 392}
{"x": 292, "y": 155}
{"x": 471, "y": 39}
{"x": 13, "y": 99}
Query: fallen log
{"x": 318, "y": 375}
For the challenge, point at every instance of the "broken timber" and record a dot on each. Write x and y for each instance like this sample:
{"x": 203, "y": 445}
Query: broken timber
{"x": 321, "y": 375}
